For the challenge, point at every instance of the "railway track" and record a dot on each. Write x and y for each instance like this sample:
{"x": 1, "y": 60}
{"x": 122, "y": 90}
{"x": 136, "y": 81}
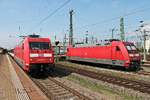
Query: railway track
{"x": 56, "y": 90}
{"x": 146, "y": 65}
{"x": 142, "y": 72}
{"x": 141, "y": 86}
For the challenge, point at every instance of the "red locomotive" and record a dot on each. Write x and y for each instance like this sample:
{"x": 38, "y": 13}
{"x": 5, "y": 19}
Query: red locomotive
{"x": 34, "y": 53}
{"x": 116, "y": 53}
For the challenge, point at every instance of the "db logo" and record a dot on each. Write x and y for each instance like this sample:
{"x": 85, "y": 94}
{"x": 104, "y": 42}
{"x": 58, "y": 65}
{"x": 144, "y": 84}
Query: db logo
{"x": 41, "y": 55}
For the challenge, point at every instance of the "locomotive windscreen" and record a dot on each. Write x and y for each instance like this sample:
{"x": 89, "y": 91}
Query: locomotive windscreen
{"x": 131, "y": 48}
{"x": 39, "y": 45}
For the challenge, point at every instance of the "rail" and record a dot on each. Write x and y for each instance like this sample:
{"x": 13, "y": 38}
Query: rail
{"x": 56, "y": 90}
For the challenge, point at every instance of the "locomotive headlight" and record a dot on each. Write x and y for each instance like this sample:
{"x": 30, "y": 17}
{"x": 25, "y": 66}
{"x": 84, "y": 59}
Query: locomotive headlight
{"x": 48, "y": 55}
{"x": 131, "y": 55}
{"x": 137, "y": 54}
{"x": 127, "y": 62}
{"x": 34, "y": 55}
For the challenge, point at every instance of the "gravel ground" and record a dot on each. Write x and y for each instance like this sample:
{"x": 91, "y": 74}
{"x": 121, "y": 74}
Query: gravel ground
{"x": 87, "y": 92}
{"x": 84, "y": 87}
{"x": 146, "y": 68}
{"x": 96, "y": 89}
{"x": 125, "y": 94}
{"x": 119, "y": 93}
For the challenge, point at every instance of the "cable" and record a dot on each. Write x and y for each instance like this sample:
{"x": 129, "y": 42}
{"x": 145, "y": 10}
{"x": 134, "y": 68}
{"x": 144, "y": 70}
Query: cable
{"x": 51, "y": 14}
{"x": 115, "y": 18}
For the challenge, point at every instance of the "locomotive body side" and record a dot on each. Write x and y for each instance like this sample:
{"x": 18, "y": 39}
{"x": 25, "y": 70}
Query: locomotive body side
{"x": 26, "y": 55}
{"x": 114, "y": 54}
{"x": 90, "y": 54}
{"x": 18, "y": 54}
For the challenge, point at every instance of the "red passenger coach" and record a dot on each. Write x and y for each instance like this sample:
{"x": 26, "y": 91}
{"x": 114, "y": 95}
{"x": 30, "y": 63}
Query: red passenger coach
{"x": 116, "y": 53}
{"x": 34, "y": 53}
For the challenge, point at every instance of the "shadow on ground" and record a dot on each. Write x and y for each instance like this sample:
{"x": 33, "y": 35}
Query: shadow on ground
{"x": 55, "y": 72}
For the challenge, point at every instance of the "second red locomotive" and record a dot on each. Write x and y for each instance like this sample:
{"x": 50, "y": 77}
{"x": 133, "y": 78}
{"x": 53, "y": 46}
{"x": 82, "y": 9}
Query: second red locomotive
{"x": 34, "y": 53}
{"x": 116, "y": 53}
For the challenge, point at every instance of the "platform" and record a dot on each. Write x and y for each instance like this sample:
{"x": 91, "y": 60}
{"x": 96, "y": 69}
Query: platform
{"x": 15, "y": 84}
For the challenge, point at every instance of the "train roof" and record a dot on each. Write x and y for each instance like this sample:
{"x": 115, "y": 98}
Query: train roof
{"x": 36, "y": 38}
{"x": 128, "y": 43}
{"x": 31, "y": 39}
{"x": 106, "y": 43}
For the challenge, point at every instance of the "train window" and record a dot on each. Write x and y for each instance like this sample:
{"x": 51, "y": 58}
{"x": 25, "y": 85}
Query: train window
{"x": 117, "y": 48}
{"x": 39, "y": 45}
{"x": 22, "y": 46}
{"x": 133, "y": 47}
{"x": 44, "y": 45}
{"x": 34, "y": 45}
{"x": 128, "y": 47}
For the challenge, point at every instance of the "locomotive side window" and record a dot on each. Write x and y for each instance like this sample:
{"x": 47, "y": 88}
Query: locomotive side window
{"x": 39, "y": 45}
{"x": 67, "y": 50}
{"x": 22, "y": 46}
{"x": 117, "y": 48}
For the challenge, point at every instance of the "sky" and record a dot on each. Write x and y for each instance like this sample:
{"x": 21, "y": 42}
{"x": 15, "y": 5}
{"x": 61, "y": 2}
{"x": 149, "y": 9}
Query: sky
{"x": 98, "y": 17}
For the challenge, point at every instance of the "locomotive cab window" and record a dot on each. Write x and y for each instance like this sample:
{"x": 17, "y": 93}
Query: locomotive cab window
{"x": 39, "y": 45}
{"x": 117, "y": 48}
{"x": 22, "y": 46}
